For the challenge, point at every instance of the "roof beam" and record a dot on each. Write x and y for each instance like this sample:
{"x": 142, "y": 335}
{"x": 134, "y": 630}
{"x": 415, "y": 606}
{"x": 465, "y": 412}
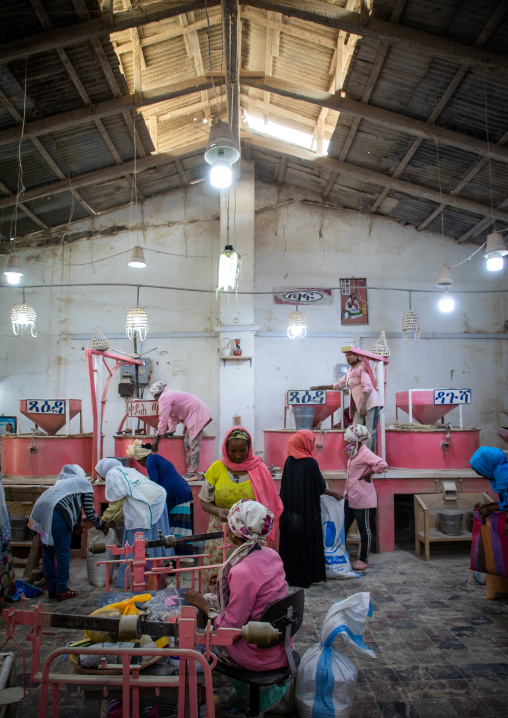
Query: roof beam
{"x": 379, "y": 116}
{"x": 332, "y": 16}
{"x": 230, "y": 23}
{"x": 105, "y": 109}
{"x": 360, "y": 174}
{"x": 99, "y": 27}
{"x": 106, "y": 174}
{"x": 320, "y": 13}
{"x": 455, "y": 82}
{"x": 24, "y": 209}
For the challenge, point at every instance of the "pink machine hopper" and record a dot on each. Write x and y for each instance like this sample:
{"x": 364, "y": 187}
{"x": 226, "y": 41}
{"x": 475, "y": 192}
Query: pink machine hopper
{"x": 147, "y": 410}
{"x": 51, "y": 415}
{"x": 420, "y": 406}
{"x": 316, "y": 413}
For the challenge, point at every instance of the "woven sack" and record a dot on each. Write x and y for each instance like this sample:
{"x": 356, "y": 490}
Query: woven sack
{"x": 380, "y": 346}
{"x": 99, "y": 341}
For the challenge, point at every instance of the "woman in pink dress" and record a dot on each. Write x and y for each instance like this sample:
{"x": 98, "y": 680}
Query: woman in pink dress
{"x": 181, "y": 407}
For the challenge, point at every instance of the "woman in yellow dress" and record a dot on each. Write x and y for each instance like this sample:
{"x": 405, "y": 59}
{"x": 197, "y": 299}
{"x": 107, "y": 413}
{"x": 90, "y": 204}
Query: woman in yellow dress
{"x": 237, "y": 475}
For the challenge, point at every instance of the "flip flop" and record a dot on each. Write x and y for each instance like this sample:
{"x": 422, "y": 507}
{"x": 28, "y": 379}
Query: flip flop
{"x": 66, "y": 595}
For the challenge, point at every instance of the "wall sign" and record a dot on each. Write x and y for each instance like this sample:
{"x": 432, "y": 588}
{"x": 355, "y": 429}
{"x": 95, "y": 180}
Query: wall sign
{"x": 297, "y": 397}
{"x": 45, "y": 406}
{"x": 140, "y": 407}
{"x": 353, "y": 301}
{"x": 302, "y": 296}
{"x": 452, "y": 396}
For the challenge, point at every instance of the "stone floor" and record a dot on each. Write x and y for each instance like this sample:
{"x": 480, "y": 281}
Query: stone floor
{"x": 442, "y": 649}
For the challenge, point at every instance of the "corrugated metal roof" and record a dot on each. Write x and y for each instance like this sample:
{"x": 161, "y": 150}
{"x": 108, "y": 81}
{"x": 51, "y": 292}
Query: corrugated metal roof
{"x": 409, "y": 83}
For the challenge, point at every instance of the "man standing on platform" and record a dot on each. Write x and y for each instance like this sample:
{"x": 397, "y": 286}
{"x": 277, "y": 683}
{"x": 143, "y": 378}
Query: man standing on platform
{"x": 180, "y": 407}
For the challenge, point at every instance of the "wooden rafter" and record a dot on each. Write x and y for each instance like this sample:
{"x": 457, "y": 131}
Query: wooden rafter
{"x": 193, "y": 48}
{"x": 24, "y": 209}
{"x": 447, "y": 94}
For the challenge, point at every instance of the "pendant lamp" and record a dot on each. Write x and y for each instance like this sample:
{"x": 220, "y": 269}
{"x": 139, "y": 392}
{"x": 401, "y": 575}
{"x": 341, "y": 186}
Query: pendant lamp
{"x": 229, "y": 269}
{"x": 137, "y": 258}
{"x": 22, "y": 317}
{"x": 495, "y": 251}
{"x": 221, "y": 152}
{"x": 13, "y": 269}
{"x": 137, "y": 322}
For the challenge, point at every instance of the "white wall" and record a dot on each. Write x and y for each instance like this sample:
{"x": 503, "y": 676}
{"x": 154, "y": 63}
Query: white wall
{"x": 295, "y": 246}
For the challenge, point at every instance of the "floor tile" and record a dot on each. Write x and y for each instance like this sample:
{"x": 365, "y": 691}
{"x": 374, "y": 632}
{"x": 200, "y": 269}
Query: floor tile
{"x": 397, "y": 709}
{"x": 434, "y": 708}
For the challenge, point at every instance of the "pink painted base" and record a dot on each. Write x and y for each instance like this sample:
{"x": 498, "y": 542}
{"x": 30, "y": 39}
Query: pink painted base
{"x": 52, "y": 453}
{"x": 330, "y": 458}
{"x": 423, "y": 450}
{"x": 172, "y": 449}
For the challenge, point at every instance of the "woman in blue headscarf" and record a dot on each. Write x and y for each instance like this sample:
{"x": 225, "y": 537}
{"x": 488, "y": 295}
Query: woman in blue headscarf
{"x": 492, "y": 464}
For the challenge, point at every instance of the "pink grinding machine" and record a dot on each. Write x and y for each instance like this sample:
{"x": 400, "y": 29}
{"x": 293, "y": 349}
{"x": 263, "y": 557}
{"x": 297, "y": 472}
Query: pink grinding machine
{"x": 437, "y": 447}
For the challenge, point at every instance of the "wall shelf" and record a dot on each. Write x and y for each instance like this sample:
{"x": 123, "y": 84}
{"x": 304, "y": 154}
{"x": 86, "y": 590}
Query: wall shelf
{"x": 233, "y": 358}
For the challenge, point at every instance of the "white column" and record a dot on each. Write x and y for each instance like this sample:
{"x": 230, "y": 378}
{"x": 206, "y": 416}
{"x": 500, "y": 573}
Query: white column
{"x": 236, "y": 312}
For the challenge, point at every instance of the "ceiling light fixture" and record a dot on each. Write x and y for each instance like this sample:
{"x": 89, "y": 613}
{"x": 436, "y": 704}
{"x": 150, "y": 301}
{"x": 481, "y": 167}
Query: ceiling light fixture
{"x": 495, "y": 251}
{"x": 137, "y": 322}
{"x": 229, "y": 269}
{"x": 445, "y": 280}
{"x": 22, "y": 317}
{"x": 447, "y": 302}
{"x": 221, "y": 152}
{"x": 297, "y": 323}
{"x": 13, "y": 269}
{"x": 137, "y": 258}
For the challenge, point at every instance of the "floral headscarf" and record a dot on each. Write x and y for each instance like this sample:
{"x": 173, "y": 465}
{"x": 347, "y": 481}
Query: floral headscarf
{"x": 157, "y": 388}
{"x": 354, "y": 436}
{"x": 252, "y": 522}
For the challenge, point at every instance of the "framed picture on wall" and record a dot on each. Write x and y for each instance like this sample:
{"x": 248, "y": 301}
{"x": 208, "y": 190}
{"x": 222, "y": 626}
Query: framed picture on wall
{"x": 353, "y": 301}
{"x": 7, "y": 425}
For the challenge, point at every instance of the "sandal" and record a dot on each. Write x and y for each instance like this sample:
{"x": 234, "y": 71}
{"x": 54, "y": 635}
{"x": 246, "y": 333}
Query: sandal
{"x": 66, "y": 595}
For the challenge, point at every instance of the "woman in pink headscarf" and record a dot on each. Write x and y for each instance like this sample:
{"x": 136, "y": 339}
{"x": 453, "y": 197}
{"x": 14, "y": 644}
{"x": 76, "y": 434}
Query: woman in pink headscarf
{"x": 237, "y": 475}
{"x": 301, "y": 536}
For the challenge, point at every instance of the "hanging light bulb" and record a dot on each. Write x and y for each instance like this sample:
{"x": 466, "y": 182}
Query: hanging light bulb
{"x": 22, "y": 317}
{"x": 297, "y": 325}
{"x": 137, "y": 323}
{"x": 137, "y": 258}
{"x": 495, "y": 251}
{"x": 229, "y": 268}
{"x": 13, "y": 269}
{"x": 447, "y": 302}
{"x": 221, "y": 152}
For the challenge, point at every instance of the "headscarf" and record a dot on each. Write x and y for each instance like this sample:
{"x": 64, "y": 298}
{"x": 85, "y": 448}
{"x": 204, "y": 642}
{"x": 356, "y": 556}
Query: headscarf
{"x": 252, "y": 522}
{"x": 157, "y": 388}
{"x": 354, "y": 436}
{"x": 492, "y": 464}
{"x": 259, "y": 476}
{"x": 301, "y": 444}
{"x": 144, "y": 500}
{"x": 137, "y": 451}
{"x": 105, "y": 465}
{"x": 71, "y": 480}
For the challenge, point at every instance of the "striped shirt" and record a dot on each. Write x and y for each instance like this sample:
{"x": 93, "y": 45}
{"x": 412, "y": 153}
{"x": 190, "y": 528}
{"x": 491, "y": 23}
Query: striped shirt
{"x": 70, "y": 508}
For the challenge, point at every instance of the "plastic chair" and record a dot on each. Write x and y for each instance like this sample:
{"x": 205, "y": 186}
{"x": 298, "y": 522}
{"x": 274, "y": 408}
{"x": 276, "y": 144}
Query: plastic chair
{"x": 286, "y": 615}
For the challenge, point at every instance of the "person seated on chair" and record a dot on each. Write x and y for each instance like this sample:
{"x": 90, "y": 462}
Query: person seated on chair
{"x": 252, "y": 578}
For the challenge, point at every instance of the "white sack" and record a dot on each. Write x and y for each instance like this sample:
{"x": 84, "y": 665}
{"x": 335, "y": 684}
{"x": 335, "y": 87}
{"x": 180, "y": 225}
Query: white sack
{"x": 337, "y": 560}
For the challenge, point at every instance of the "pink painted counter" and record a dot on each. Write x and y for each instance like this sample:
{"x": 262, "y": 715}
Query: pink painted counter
{"x": 425, "y": 450}
{"x": 172, "y": 449}
{"x": 51, "y": 453}
{"x": 330, "y": 458}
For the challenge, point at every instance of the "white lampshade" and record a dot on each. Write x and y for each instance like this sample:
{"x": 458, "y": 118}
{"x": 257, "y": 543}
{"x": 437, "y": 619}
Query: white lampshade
{"x": 444, "y": 278}
{"x": 13, "y": 269}
{"x": 221, "y": 144}
{"x": 447, "y": 302}
{"x": 137, "y": 323}
{"x": 221, "y": 174}
{"x": 229, "y": 266}
{"x": 297, "y": 325}
{"x": 495, "y": 251}
{"x": 137, "y": 258}
{"x": 22, "y": 317}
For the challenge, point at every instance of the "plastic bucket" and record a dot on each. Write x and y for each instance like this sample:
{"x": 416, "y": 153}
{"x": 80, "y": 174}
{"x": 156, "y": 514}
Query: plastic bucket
{"x": 470, "y": 516}
{"x": 304, "y": 416}
{"x": 19, "y": 524}
{"x": 451, "y": 521}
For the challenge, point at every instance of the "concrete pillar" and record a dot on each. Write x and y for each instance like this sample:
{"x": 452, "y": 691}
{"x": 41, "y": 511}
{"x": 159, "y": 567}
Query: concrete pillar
{"x": 236, "y": 378}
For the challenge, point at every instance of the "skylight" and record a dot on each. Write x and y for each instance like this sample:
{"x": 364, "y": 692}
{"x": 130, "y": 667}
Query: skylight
{"x": 281, "y": 132}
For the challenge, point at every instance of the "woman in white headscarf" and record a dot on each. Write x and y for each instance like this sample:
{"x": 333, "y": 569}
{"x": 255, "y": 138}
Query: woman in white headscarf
{"x": 360, "y": 495}
{"x": 54, "y": 516}
{"x": 144, "y": 508}
{"x": 7, "y": 577}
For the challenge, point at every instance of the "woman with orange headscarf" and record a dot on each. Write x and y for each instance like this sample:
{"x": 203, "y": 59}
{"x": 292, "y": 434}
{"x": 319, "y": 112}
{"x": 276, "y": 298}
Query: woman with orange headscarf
{"x": 301, "y": 536}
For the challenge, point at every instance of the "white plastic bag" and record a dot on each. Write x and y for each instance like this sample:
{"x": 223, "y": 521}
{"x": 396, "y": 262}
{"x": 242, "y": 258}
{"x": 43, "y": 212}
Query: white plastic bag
{"x": 326, "y": 679}
{"x": 337, "y": 560}
{"x": 97, "y": 574}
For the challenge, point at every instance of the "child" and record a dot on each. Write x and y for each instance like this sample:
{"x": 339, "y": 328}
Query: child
{"x": 360, "y": 495}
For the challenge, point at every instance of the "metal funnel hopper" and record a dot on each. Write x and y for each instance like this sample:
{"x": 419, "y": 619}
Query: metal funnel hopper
{"x": 424, "y": 410}
{"x": 50, "y": 414}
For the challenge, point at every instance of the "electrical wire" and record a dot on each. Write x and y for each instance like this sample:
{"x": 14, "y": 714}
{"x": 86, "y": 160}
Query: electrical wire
{"x": 219, "y": 107}
{"x": 21, "y": 186}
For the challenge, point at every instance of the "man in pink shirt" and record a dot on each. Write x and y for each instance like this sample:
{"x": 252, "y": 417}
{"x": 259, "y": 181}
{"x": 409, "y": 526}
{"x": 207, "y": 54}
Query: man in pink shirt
{"x": 364, "y": 401}
{"x": 180, "y": 407}
{"x": 360, "y": 495}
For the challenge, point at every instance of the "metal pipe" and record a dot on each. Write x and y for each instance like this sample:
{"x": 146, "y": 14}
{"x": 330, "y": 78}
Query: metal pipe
{"x": 168, "y": 541}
